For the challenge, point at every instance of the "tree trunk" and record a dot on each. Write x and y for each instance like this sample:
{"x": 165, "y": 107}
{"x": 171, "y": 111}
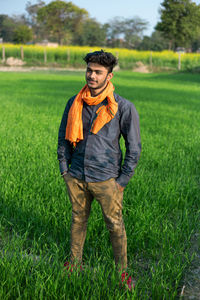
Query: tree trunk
{"x": 170, "y": 45}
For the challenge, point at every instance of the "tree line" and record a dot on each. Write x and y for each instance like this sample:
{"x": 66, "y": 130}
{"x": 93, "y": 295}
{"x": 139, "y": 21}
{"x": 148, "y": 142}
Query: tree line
{"x": 67, "y": 24}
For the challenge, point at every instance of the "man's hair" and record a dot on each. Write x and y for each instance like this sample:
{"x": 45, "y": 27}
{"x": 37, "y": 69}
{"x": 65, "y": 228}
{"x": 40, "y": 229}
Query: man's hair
{"x": 106, "y": 59}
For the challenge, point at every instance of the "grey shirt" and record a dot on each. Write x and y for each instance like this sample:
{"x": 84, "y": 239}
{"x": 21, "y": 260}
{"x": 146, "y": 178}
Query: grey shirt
{"x": 98, "y": 157}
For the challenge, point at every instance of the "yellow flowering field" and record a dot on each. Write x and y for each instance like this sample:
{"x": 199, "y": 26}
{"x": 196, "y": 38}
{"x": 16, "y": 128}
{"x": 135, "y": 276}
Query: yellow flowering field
{"x": 72, "y": 56}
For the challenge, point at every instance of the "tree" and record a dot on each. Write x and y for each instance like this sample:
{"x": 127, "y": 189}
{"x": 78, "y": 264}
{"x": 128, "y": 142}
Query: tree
{"x": 155, "y": 42}
{"x": 196, "y": 44}
{"x": 59, "y": 18}
{"x": 7, "y": 26}
{"x": 126, "y": 32}
{"x": 32, "y": 10}
{"x": 19, "y": 19}
{"x": 133, "y": 31}
{"x": 22, "y": 34}
{"x": 13, "y": 28}
{"x": 93, "y": 34}
{"x": 180, "y": 20}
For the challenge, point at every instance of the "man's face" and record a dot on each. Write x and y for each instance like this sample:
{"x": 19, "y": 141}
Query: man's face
{"x": 97, "y": 76}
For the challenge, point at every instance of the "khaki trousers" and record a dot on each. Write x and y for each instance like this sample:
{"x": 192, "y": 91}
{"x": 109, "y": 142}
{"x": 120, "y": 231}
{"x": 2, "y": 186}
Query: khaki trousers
{"x": 81, "y": 195}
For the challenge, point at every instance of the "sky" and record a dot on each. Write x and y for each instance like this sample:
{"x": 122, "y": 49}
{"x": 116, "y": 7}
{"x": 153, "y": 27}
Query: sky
{"x": 102, "y": 10}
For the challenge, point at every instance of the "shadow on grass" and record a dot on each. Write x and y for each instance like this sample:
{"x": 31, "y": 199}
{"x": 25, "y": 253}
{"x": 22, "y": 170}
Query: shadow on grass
{"x": 187, "y": 77}
{"x": 190, "y": 77}
{"x": 53, "y": 232}
{"x": 162, "y": 96}
{"x": 55, "y": 94}
{"x": 19, "y": 221}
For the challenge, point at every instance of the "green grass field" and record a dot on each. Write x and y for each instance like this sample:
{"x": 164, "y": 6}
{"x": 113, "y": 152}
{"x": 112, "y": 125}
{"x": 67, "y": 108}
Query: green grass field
{"x": 161, "y": 202}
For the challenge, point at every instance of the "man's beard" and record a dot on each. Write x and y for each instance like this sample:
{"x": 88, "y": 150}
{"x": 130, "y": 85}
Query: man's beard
{"x": 99, "y": 86}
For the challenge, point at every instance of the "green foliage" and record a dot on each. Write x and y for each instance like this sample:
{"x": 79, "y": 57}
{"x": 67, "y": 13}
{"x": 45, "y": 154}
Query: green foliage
{"x": 31, "y": 19}
{"x": 156, "y": 42}
{"x": 57, "y": 17}
{"x": 7, "y": 26}
{"x": 22, "y": 34}
{"x": 32, "y": 10}
{"x": 93, "y": 34}
{"x": 161, "y": 202}
{"x": 67, "y": 24}
{"x": 180, "y": 21}
{"x": 14, "y": 29}
{"x": 125, "y": 32}
{"x": 196, "y": 43}
{"x": 133, "y": 31}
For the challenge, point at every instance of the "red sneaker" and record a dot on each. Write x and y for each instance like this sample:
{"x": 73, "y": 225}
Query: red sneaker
{"x": 127, "y": 281}
{"x": 71, "y": 267}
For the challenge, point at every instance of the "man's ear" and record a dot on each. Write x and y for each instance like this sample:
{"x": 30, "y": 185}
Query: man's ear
{"x": 110, "y": 76}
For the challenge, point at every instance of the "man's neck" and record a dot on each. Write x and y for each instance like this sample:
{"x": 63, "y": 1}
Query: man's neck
{"x": 95, "y": 93}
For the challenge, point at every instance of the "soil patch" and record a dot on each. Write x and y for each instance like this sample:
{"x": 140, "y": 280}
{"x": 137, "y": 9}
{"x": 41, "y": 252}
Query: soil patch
{"x": 191, "y": 281}
{"x": 30, "y": 69}
{"x": 141, "y": 68}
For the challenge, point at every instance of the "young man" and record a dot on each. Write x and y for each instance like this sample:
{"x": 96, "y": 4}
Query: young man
{"x": 90, "y": 157}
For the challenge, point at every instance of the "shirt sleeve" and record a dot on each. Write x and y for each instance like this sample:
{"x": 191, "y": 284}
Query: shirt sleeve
{"x": 65, "y": 148}
{"x": 130, "y": 131}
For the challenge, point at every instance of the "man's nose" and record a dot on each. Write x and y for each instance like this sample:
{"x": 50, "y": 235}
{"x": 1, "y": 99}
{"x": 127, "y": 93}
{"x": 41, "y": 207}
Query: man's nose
{"x": 92, "y": 75}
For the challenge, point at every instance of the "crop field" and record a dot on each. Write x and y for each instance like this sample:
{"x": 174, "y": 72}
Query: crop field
{"x": 161, "y": 202}
{"x": 72, "y": 56}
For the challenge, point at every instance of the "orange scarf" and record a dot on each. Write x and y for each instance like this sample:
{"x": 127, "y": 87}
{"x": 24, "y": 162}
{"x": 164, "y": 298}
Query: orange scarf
{"x": 105, "y": 113}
